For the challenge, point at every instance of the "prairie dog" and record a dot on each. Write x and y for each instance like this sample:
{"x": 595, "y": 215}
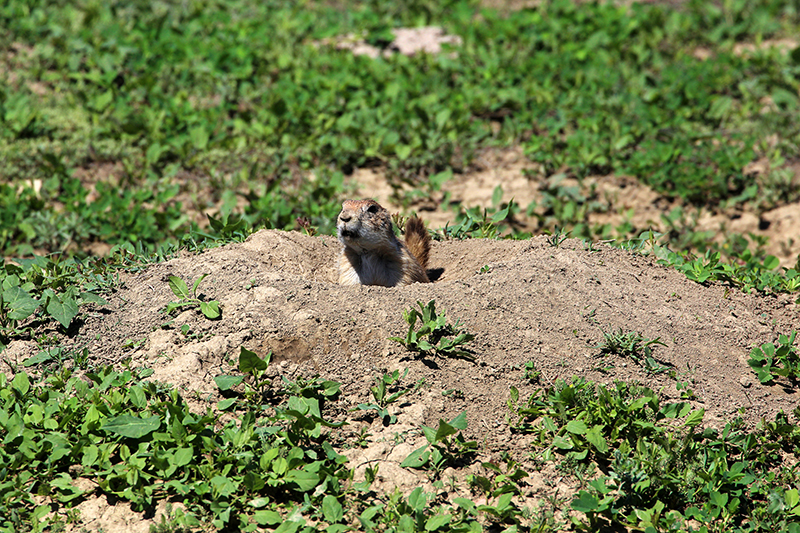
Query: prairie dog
{"x": 372, "y": 255}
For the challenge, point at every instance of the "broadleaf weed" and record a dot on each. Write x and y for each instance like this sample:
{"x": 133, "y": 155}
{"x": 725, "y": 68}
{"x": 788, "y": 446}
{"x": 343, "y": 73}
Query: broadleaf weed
{"x": 188, "y": 298}
{"x": 435, "y": 335}
{"x": 383, "y": 397}
{"x": 770, "y": 361}
{"x": 446, "y": 446}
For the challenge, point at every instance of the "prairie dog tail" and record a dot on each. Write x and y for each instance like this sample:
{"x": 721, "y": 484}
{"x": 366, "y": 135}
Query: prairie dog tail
{"x": 418, "y": 241}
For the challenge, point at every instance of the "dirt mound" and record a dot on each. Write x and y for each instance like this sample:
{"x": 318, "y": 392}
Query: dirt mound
{"x": 523, "y": 301}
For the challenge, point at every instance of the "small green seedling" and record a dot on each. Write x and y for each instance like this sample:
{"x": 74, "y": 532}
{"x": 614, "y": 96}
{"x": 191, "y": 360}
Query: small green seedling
{"x": 769, "y": 361}
{"x": 530, "y": 372}
{"x": 634, "y": 346}
{"x": 557, "y": 238}
{"x": 382, "y": 400}
{"x": 435, "y": 335}
{"x": 446, "y": 446}
{"x": 189, "y": 299}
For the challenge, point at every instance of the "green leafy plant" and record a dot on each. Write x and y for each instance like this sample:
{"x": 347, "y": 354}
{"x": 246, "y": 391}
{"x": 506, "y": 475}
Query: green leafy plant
{"x": 531, "y": 373}
{"x": 435, "y": 335}
{"x": 140, "y": 442}
{"x": 224, "y": 230}
{"x": 769, "y": 361}
{"x": 154, "y": 118}
{"x": 476, "y": 224}
{"x": 188, "y": 298}
{"x": 56, "y": 287}
{"x": 652, "y": 466}
{"x": 446, "y": 446}
{"x": 419, "y": 512}
{"x": 746, "y": 271}
{"x": 500, "y": 480}
{"x": 256, "y": 389}
{"x": 383, "y": 397}
{"x": 633, "y": 346}
{"x": 684, "y": 387}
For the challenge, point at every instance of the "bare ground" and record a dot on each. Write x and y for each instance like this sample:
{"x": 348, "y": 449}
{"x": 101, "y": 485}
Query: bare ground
{"x": 533, "y": 302}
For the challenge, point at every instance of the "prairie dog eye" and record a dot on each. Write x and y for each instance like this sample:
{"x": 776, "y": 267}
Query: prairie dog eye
{"x": 372, "y": 208}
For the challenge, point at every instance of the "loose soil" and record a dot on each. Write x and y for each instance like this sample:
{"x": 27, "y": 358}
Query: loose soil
{"x": 523, "y": 301}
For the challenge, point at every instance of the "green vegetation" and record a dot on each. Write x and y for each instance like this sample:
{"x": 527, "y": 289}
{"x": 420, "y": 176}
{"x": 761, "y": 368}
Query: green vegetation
{"x": 633, "y": 346}
{"x": 770, "y": 362}
{"x": 475, "y": 224}
{"x": 641, "y": 464}
{"x": 120, "y": 122}
{"x": 745, "y": 271}
{"x": 47, "y": 289}
{"x": 383, "y": 397}
{"x": 138, "y": 441}
{"x": 189, "y": 299}
{"x": 435, "y": 335}
{"x": 123, "y": 125}
{"x": 648, "y": 466}
{"x": 531, "y": 373}
{"x": 446, "y": 446}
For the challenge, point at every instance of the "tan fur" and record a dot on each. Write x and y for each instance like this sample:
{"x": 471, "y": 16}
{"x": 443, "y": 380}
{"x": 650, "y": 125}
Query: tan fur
{"x": 372, "y": 255}
{"x": 418, "y": 241}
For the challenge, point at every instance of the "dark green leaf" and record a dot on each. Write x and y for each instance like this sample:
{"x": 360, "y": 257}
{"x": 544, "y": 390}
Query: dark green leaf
{"x": 90, "y": 297}
{"x": 436, "y": 521}
{"x": 63, "y": 309}
{"x": 576, "y": 427}
{"x": 41, "y": 357}
{"x": 20, "y": 383}
{"x": 131, "y": 426}
{"x": 223, "y": 486}
{"x": 183, "y": 456}
{"x": 267, "y": 518}
{"x": 304, "y": 480}
{"x": 417, "y": 459}
{"x": 20, "y": 304}
{"x": 210, "y": 309}
{"x": 460, "y": 421}
{"x": 585, "y": 502}
{"x": 332, "y": 509}
{"x": 250, "y": 362}
{"x": 227, "y": 382}
{"x": 224, "y": 405}
{"x": 695, "y": 418}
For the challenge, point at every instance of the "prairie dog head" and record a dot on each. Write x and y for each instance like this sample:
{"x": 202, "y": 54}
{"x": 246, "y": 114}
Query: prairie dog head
{"x": 364, "y": 225}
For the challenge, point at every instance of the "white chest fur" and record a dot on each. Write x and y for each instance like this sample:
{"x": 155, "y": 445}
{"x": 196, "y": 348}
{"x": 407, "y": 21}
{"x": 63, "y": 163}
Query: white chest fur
{"x": 369, "y": 269}
{"x": 377, "y": 271}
